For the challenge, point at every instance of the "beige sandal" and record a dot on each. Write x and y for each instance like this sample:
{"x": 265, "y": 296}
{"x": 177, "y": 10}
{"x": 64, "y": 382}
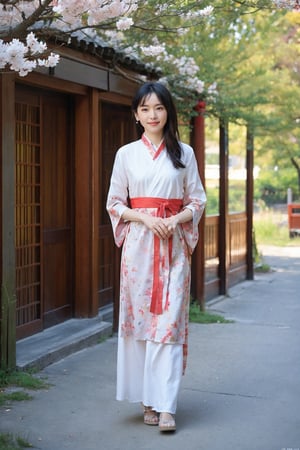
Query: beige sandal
{"x": 150, "y": 416}
{"x": 166, "y": 422}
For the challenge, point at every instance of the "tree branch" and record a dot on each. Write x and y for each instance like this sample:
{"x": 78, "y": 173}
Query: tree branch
{"x": 21, "y": 29}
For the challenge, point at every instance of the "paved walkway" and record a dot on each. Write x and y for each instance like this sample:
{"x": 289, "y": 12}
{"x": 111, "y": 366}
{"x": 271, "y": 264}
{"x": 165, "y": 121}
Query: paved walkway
{"x": 241, "y": 390}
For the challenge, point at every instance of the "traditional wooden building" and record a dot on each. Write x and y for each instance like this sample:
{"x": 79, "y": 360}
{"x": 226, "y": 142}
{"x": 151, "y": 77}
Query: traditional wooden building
{"x": 59, "y": 131}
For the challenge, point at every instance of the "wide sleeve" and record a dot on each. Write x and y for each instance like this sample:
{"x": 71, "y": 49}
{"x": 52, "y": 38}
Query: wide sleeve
{"x": 117, "y": 199}
{"x": 194, "y": 199}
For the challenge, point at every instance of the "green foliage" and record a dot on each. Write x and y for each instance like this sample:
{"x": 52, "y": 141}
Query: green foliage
{"x": 271, "y": 186}
{"x": 212, "y": 206}
{"x": 251, "y": 54}
{"x": 236, "y": 198}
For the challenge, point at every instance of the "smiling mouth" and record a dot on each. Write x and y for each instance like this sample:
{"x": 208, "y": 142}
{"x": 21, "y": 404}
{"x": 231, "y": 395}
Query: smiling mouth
{"x": 153, "y": 123}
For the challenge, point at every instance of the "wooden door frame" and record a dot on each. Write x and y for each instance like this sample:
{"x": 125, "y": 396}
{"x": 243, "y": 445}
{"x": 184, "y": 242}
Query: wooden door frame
{"x": 53, "y": 234}
{"x": 86, "y": 204}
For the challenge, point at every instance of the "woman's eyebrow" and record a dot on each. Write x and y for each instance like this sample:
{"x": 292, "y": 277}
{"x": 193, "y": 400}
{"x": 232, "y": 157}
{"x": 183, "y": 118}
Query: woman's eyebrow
{"x": 147, "y": 104}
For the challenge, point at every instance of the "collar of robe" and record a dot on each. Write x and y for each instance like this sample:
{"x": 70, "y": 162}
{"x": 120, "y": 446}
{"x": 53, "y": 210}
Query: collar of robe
{"x": 154, "y": 152}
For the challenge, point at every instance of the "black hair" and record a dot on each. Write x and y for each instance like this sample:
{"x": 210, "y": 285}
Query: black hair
{"x": 171, "y": 133}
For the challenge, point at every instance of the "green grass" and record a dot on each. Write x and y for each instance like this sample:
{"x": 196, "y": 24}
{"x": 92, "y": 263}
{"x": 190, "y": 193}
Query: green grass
{"x": 262, "y": 268}
{"x": 198, "y": 316}
{"x": 17, "y": 396}
{"x": 102, "y": 339}
{"x": 10, "y": 442}
{"x": 271, "y": 229}
{"x": 21, "y": 380}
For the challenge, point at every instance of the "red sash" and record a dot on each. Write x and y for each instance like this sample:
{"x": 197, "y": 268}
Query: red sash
{"x": 165, "y": 208}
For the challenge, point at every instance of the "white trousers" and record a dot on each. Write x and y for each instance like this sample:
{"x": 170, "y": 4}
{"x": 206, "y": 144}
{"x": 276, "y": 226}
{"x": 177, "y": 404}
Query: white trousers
{"x": 149, "y": 372}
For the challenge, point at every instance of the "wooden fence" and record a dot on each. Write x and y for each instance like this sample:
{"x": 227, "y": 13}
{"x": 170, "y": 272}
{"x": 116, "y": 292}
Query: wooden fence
{"x": 236, "y": 262}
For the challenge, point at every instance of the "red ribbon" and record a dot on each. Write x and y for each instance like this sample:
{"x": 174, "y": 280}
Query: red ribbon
{"x": 165, "y": 208}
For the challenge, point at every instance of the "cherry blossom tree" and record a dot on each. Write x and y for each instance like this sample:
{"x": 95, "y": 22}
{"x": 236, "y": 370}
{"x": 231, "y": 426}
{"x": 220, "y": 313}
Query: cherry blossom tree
{"x": 26, "y": 26}
{"x": 185, "y": 50}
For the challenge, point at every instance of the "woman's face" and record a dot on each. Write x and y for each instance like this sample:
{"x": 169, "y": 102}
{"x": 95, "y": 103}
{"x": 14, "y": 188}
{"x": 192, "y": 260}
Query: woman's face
{"x": 153, "y": 116}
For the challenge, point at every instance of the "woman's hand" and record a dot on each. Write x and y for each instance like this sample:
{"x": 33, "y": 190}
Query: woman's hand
{"x": 171, "y": 224}
{"x": 158, "y": 226}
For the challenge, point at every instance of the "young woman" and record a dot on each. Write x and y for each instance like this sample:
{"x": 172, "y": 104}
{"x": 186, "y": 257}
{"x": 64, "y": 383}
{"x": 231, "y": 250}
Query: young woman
{"x": 155, "y": 203}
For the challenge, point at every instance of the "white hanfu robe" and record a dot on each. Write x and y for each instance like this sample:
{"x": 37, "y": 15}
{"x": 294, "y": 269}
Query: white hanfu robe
{"x": 141, "y": 172}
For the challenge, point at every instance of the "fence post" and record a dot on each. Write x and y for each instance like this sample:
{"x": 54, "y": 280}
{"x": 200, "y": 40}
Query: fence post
{"x": 249, "y": 203}
{"x": 224, "y": 243}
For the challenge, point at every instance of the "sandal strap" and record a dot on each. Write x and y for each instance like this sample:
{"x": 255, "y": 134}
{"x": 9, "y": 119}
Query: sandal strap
{"x": 150, "y": 416}
{"x": 167, "y": 423}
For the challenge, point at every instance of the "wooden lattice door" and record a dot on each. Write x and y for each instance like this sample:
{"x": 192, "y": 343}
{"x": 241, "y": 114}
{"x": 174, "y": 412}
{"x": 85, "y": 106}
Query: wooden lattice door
{"x": 28, "y": 216}
{"x": 43, "y": 228}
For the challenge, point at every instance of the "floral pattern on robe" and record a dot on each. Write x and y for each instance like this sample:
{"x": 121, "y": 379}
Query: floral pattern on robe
{"x": 137, "y": 173}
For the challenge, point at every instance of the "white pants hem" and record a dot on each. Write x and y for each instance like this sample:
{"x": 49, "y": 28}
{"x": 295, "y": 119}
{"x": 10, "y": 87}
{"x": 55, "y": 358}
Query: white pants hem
{"x": 150, "y": 373}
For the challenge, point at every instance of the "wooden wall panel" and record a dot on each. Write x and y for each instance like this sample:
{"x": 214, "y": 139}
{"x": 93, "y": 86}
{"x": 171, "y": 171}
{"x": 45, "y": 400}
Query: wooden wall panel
{"x": 120, "y": 85}
{"x": 84, "y": 208}
{"x": 79, "y": 72}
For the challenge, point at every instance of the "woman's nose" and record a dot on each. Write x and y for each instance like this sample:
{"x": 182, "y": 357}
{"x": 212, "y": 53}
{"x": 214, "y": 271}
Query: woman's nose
{"x": 153, "y": 113}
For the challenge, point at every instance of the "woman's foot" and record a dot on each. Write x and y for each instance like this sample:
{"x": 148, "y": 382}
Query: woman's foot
{"x": 166, "y": 422}
{"x": 150, "y": 416}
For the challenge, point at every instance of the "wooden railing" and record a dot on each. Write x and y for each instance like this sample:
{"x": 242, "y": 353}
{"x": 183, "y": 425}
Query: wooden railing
{"x": 211, "y": 247}
{"x": 237, "y": 239}
{"x": 236, "y": 256}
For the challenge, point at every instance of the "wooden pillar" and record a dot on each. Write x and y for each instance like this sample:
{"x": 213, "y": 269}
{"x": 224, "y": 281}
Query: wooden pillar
{"x": 223, "y": 213}
{"x": 86, "y": 211}
{"x": 8, "y": 263}
{"x": 95, "y": 124}
{"x": 198, "y": 261}
{"x": 249, "y": 202}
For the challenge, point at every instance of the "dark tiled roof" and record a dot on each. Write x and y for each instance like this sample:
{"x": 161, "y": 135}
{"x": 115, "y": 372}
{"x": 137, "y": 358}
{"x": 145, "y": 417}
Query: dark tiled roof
{"x": 98, "y": 47}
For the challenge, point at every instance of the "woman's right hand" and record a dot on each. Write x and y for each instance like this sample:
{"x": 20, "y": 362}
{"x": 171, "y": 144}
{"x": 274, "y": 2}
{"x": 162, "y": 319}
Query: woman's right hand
{"x": 157, "y": 225}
